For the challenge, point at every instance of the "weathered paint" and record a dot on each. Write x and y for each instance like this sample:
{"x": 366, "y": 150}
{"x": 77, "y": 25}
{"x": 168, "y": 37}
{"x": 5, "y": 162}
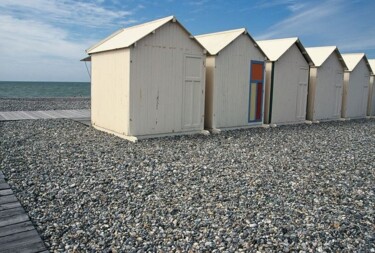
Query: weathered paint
{"x": 228, "y": 83}
{"x": 291, "y": 73}
{"x": 160, "y": 77}
{"x": 355, "y": 93}
{"x": 325, "y": 90}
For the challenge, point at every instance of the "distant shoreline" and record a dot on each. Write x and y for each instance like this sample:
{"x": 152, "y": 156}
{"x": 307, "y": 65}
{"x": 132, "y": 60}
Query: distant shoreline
{"x": 46, "y": 98}
{"x": 13, "y": 89}
{"x": 44, "y": 103}
{"x": 41, "y": 82}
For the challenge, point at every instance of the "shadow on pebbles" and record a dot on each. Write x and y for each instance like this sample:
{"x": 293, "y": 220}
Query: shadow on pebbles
{"x": 306, "y": 188}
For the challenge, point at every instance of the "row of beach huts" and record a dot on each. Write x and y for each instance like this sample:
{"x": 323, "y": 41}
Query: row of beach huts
{"x": 156, "y": 79}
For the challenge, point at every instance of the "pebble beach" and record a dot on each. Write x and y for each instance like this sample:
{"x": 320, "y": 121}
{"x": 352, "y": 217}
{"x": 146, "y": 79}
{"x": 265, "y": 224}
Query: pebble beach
{"x": 295, "y": 188}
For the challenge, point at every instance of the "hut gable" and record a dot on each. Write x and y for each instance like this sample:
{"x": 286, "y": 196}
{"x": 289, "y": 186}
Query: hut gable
{"x": 319, "y": 55}
{"x": 276, "y": 48}
{"x": 372, "y": 65}
{"x": 214, "y": 43}
{"x": 352, "y": 60}
{"x": 127, "y": 37}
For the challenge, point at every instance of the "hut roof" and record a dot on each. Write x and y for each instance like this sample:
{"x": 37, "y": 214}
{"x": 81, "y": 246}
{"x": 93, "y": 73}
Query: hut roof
{"x": 276, "y": 48}
{"x": 320, "y": 54}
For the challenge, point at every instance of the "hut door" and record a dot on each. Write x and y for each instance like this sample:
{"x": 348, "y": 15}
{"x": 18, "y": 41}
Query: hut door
{"x": 192, "y": 92}
{"x": 256, "y": 91}
{"x": 302, "y": 93}
{"x": 338, "y": 94}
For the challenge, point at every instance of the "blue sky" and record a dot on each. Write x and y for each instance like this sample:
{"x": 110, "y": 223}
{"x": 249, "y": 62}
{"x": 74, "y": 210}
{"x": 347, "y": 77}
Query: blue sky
{"x": 43, "y": 40}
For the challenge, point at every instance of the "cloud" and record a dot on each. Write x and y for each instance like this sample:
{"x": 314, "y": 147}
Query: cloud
{"x": 31, "y": 38}
{"x": 265, "y": 4}
{"x": 45, "y": 39}
{"x": 63, "y": 12}
{"x": 329, "y": 22}
{"x": 198, "y": 2}
{"x": 303, "y": 20}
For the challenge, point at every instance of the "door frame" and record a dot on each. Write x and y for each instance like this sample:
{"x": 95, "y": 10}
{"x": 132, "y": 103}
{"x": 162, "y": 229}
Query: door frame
{"x": 201, "y": 101}
{"x": 249, "y": 85}
{"x": 304, "y": 108}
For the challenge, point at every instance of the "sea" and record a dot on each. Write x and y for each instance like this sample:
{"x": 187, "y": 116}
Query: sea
{"x": 12, "y": 89}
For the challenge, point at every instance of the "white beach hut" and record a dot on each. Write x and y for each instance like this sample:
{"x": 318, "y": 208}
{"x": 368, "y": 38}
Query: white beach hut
{"x": 325, "y": 84}
{"x": 234, "y": 80}
{"x": 287, "y": 75}
{"x": 148, "y": 80}
{"x": 371, "y": 98}
{"x": 356, "y": 84}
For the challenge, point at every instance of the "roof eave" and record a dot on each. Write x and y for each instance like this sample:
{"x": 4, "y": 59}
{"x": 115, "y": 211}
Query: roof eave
{"x": 190, "y": 35}
{"x": 256, "y": 44}
{"x": 88, "y": 58}
{"x": 218, "y": 52}
{"x": 304, "y": 52}
{"x": 337, "y": 51}
{"x": 103, "y": 40}
{"x": 368, "y": 64}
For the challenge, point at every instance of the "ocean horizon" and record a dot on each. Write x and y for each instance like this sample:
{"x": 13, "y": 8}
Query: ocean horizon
{"x": 43, "y": 89}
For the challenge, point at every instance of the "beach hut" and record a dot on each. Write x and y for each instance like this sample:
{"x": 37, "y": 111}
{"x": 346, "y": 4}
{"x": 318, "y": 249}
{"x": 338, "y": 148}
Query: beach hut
{"x": 148, "y": 80}
{"x": 287, "y": 75}
{"x": 325, "y": 83}
{"x": 234, "y": 80}
{"x": 371, "y": 97}
{"x": 356, "y": 84}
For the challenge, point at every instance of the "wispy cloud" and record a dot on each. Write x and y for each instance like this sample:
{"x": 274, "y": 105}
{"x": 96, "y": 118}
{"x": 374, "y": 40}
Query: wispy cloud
{"x": 27, "y": 38}
{"x": 329, "y": 22}
{"x": 303, "y": 19}
{"x": 64, "y": 12}
{"x": 264, "y": 4}
{"x": 198, "y": 2}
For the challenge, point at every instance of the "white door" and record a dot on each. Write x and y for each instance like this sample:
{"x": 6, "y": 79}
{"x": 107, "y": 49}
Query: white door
{"x": 192, "y": 92}
{"x": 303, "y": 77}
{"x": 338, "y": 94}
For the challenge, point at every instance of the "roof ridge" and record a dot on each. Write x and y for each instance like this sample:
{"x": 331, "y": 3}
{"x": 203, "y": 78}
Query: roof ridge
{"x": 321, "y": 47}
{"x": 222, "y": 32}
{"x": 353, "y": 54}
{"x": 146, "y": 28}
{"x": 294, "y": 38}
{"x": 148, "y": 23}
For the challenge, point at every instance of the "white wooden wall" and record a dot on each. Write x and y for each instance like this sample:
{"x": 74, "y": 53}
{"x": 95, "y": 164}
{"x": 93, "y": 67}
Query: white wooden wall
{"x": 167, "y": 78}
{"x": 290, "y": 88}
{"x": 110, "y": 91}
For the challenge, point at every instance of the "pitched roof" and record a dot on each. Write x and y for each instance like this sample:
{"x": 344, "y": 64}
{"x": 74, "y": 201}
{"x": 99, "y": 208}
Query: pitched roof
{"x": 320, "y": 54}
{"x": 352, "y": 60}
{"x": 276, "y": 48}
{"x": 216, "y": 42}
{"x": 126, "y": 37}
{"x": 372, "y": 65}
